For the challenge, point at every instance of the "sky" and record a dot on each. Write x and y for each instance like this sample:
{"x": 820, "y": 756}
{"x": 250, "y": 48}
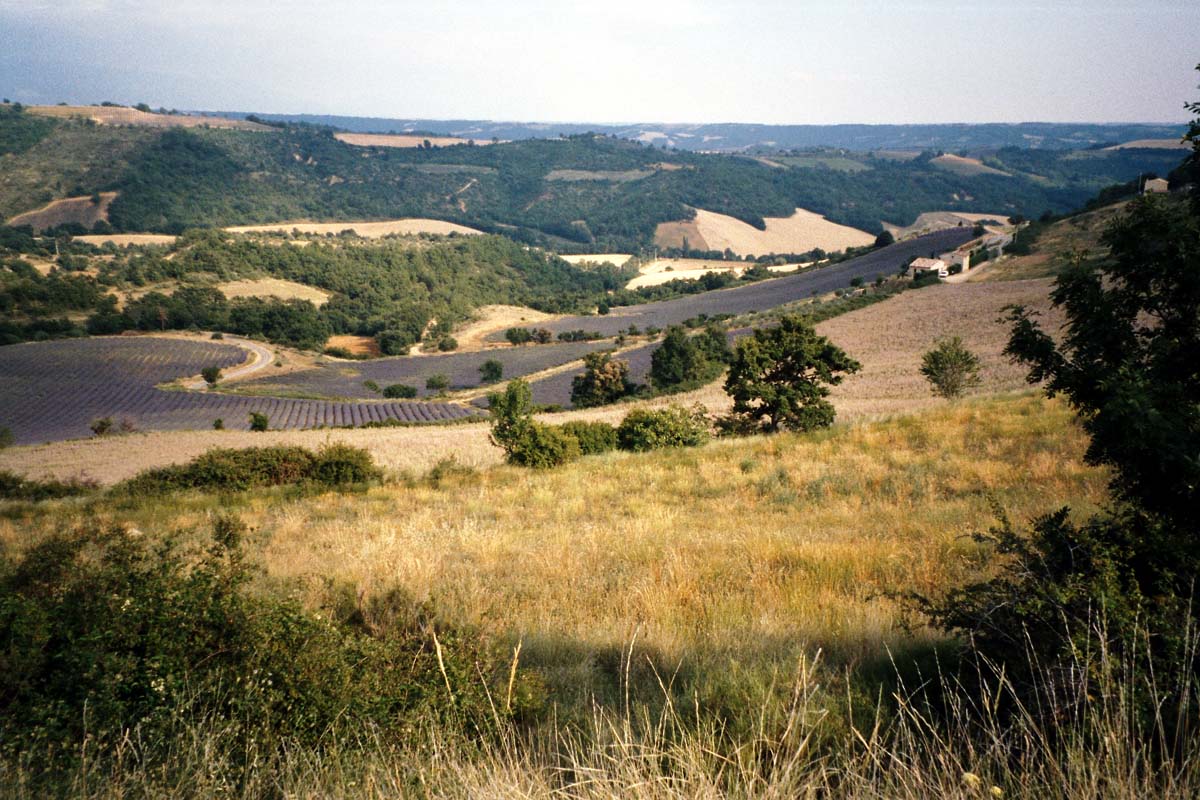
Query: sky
{"x": 615, "y": 61}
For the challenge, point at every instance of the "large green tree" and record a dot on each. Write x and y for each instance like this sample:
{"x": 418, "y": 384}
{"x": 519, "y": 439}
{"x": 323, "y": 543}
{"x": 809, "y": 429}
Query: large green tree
{"x": 780, "y": 377}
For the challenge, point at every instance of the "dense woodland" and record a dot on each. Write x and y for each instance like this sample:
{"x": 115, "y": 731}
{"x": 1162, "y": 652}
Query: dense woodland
{"x": 583, "y": 192}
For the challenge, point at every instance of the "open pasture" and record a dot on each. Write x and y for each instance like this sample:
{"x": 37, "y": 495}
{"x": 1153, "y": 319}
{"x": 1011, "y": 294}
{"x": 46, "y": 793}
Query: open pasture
{"x": 54, "y": 390}
{"x": 967, "y": 167}
{"x": 273, "y": 287}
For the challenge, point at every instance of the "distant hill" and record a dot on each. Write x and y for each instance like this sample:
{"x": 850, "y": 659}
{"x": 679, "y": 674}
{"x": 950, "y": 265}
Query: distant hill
{"x": 585, "y": 193}
{"x": 737, "y": 137}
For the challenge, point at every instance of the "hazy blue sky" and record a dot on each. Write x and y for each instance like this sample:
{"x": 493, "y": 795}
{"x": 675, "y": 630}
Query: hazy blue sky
{"x": 616, "y": 60}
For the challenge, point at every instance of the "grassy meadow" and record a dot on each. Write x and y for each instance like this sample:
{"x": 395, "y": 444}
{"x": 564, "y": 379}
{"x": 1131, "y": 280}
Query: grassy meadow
{"x": 677, "y": 611}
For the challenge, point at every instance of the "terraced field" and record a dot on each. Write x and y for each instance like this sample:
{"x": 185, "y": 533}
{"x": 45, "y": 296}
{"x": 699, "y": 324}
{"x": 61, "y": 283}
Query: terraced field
{"x": 766, "y": 294}
{"x": 345, "y": 379}
{"x": 53, "y": 390}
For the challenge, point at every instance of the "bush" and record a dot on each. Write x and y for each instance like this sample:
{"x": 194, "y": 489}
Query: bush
{"x": 605, "y": 380}
{"x": 211, "y": 375}
{"x": 218, "y": 424}
{"x": 491, "y": 371}
{"x": 239, "y": 469}
{"x": 111, "y": 639}
{"x": 101, "y": 426}
{"x": 437, "y": 383}
{"x": 400, "y": 390}
{"x": 258, "y": 421}
{"x": 651, "y": 429}
{"x": 593, "y": 437}
{"x": 544, "y": 446}
{"x": 371, "y": 385}
{"x": 518, "y": 335}
{"x": 950, "y": 368}
{"x": 218, "y": 336}
{"x": 446, "y": 344}
{"x": 14, "y": 487}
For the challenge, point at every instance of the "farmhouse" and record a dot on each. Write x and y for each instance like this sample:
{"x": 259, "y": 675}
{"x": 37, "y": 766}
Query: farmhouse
{"x": 957, "y": 257}
{"x": 1154, "y": 186}
{"x": 921, "y": 266}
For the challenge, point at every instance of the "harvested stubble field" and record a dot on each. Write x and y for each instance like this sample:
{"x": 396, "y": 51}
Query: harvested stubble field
{"x": 54, "y": 390}
{"x": 365, "y": 229}
{"x": 963, "y": 165}
{"x": 798, "y": 233}
{"x": 274, "y": 287}
{"x": 664, "y": 270}
{"x": 940, "y": 220}
{"x": 399, "y": 140}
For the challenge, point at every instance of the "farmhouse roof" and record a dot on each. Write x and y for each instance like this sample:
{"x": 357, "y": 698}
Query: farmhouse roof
{"x": 928, "y": 263}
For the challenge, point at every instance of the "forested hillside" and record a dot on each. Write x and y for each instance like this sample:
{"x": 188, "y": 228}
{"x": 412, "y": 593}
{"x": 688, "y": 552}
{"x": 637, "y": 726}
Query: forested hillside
{"x": 581, "y": 193}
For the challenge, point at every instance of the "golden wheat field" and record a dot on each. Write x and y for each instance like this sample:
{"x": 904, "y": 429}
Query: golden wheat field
{"x": 398, "y": 140}
{"x": 369, "y": 230}
{"x": 273, "y": 287}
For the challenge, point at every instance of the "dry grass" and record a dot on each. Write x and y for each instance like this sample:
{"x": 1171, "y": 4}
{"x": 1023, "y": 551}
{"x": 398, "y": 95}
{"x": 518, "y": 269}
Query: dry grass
{"x": 79, "y": 210}
{"x": 490, "y": 319}
{"x": 940, "y": 220}
{"x": 799, "y": 233}
{"x": 1152, "y": 144}
{"x": 616, "y": 259}
{"x": 127, "y": 239}
{"x": 368, "y": 230}
{"x": 119, "y": 115}
{"x": 358, "y": 345}
{"x": 664, "y": 270}
{"x": 273, "y": 287}
{"x": 1079, "y": 233}
{"x": 962, "y": 165}
{"x": 399, "y": 140}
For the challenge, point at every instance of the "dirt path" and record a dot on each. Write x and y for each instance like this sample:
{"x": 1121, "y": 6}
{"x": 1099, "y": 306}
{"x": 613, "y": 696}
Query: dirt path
{"x": 260, "y": 358}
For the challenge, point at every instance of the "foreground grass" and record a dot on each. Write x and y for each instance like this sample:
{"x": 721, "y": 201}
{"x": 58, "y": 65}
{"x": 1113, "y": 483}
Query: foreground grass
{"x": 720, "y": 568}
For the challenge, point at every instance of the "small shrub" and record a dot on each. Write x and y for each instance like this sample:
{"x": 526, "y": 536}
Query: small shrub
{"x": 258, "y": 421}
{"x": 491, "y": 371}
{"x": 372, "y": 385}
{"x": 651, "y": 429}
{"x": 14, "y": 487}
{"x": 127, "y": 425}
{"x": 400, "y": 390}
{"x": 218, "y": 424}
{"x": 340, "y": 464}
{"x": 338, "y": 352}
{"x": 950, "y": 368}
{"x": 437, "y": 383}
{"x": 211, "y": 375}
{"x": 518, "y": 335}
{"x": 544, "y": 446}
{"x": 101, "y": 426}
{"x": 593, "y": 437}
{"x": 447, "y": 344}
{"x": 218, "y": 336}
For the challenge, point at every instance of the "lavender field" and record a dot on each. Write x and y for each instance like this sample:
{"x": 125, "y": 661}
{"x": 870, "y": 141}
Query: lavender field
{"x": 53, "y": 390}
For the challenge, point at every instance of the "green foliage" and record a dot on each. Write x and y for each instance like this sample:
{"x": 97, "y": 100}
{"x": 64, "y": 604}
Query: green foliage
{"x": 884, "y": 239}
{"x": 211, "y": 375}
{"x": 371, "y": 385}
{"x": 251, "y": 467}
{"x": 437, "y": 383}
{"x": 780, "y": 376}
{"x": 651, "y": 429}
{"x": 20, "y": 131}
{"x": 400, "y": 391}
{"x": 14, "y": 487}
{"x": 593, "y": 437}
{"x": 111, "y": 638}
{"x": 258, "y": 421}
{"x": 491, "y": 371}
{"x": 218, "y": 424}
{"x": 683, "y": 362}
{"x": 518, "y": 335}
{"x": 605, "y": 380}
{"x": 950, "y": 368}
{"x": 525, "y": 442}
{"x": 102, "y": 426}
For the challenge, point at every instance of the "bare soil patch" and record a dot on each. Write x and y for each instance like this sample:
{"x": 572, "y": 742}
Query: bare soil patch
{"x": 80, "y": 210}
{"x": 357, "y": 345}
{"x": 368, "y": 230}
{"x": 274, "y": 287}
